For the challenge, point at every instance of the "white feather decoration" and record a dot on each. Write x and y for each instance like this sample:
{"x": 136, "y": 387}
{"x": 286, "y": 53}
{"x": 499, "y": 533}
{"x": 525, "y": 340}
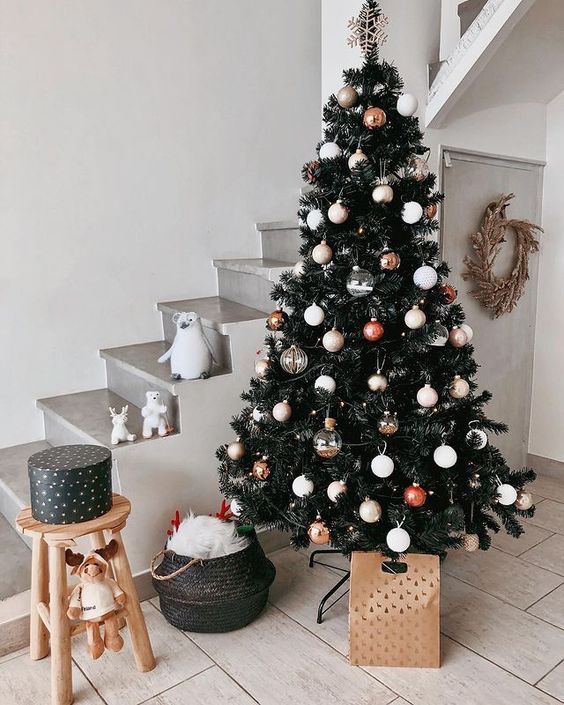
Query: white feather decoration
{"x": 206, "y": 537}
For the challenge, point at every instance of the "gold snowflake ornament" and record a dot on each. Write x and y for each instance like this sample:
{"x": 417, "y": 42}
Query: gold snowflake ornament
{"x": 367, "y": 30}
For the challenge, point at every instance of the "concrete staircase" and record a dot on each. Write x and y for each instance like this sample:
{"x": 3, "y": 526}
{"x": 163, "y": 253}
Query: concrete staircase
{"x": 178, "y": 471}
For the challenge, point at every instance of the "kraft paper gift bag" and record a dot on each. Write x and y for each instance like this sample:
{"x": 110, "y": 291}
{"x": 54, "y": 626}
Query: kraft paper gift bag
{"x": 394, "y": 617}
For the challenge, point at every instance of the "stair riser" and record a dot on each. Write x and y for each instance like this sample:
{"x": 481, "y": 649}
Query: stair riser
{"x": 219, "y": 343}
{"x": 133, "y": 388}
{"x": 246, "y": 289}
{"x": 10, "y": 508}
{"x": 282, "y": 245}
{"x": 57, "y": 433}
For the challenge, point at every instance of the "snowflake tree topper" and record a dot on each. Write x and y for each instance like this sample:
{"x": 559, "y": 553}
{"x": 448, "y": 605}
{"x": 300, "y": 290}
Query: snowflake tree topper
{"x": 368, "y": 29}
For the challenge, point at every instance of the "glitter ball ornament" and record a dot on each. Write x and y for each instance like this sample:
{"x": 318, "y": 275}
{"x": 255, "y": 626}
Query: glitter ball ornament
{"x": 277, "y": 320}
{"x": 318, "y": 532}
{"x": 329, "y": 150}
{"x": 314, "y": 219}
{"x": 414, "y": 496}
{"x": 235, "y": 508}
{"x": 333, "y": 340}
{"x": 335, "y": 489}
{"x": 236, "y": 450}
{"x": 524, "y": 500}
{"x": 299, "y": 268}
{"x": 370, "y": 511}
{"x": 282, "y": 411}
{"x": 373, "y": 330}
{"x": 431, "y": 210}
{"x": 327, "y": 442}
{"x": 457, "y": 337}
{"x": 260, "y": 470}
{"x": 382, "y": 465}
{"x": 459, "y": 388}
{"x": 347, "y": 97}
{"x": 357, "y": 158}
{"x": 412, "y": 212}
{"x": 322, "y": 253}
{"x": 314, "y": 315}
{"x": 448, "y": 293}
{"x": 427, "y": 397}
{"x": 302, "y": 487}
{"x": 388, "y": 423}
{"x": 445, "y": 456}
{"x": 470, "y": 542}
{"x": 338, "y": 213}
{"x": 440, "y": 335}
{"x": 261, "y": 367}
{"x": 293, "y": 360}
{"x": 389, "y": 260}
{"x": 325, "y": 383}
{"x": 476, "y": 438}
{"x": 374, "y": 118}
{"x": 383, "y": 193}
{"x": 506, "y": 494}
{"x": 407, "y": 104}
{"x": 425, "y": 277}
{"x": 469, "y": 332}
{"x": 360, "y": 282}
{"x": 417, "y": 169}
{"x": 259, "y": 415}
{"x": 398, "y": 540}
{"x": 415, "y": 318}
{"x": 377, "y": 382}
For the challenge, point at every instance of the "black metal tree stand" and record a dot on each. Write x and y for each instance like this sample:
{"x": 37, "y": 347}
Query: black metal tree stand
{"x": 322, "y": 608}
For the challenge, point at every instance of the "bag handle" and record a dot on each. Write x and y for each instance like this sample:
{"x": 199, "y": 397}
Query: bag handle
{"x": 170, "y": 576}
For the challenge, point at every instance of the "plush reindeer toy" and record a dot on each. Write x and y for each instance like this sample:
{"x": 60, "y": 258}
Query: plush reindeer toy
{"x": 96, "y": 599}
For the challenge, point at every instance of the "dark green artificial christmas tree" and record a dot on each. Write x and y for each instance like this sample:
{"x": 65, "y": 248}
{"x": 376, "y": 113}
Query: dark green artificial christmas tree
{"x": 364, "y": 426}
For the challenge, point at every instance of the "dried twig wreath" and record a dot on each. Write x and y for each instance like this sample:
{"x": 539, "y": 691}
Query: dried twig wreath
{"x": 500, "y": 294}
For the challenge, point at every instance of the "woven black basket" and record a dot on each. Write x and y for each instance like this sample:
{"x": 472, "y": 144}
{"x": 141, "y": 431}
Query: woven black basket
{"x": 214, "y": 595}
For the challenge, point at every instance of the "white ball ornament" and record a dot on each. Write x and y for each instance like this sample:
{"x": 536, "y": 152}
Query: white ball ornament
{"x": 412, "y": 212}
{"x": 427, "y": 397}
{"x": 282, "y": 411}
{"x": 398, "y": 540}
{"x": 445, "y": 456}
{"x": 329, "y": 150}
{"x": 382, "y": 465}
{"x": 506, "y": 494}
{"x": 335, "y": 489}
{"x": 383, "y": 193}
{"x": 476, "y": 438}
{"x": 356, "y": 158}
{"x": 259, "y": 415}
{"x": 322, "y": 253}
{"x": 325, "y": 383}
{"x": 314, "y": 315}
{"x": 415, "y": 318}
{"x": 333, "y": 340}
{"x": 299, "y": 268}
{"x": 370, "y": 511}
{"x": 338, "y": 213}
{"x": 469, "y": 332}
{"x": 236, "y": 508}
{"x": 302, "y": 487}
{"x": 407, "y": 105}
{"x": 314, "y": 219}
{"x": 425, "y": 277}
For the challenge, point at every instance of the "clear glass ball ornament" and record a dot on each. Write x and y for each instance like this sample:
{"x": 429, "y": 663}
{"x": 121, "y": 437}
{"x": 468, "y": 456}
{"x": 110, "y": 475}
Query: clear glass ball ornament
{"x": 360, "y": 282}
{"x": 293, "y": 360}
{"x": 327, "y": 442}
{"x": 440, "y": 334}
{"x": 388, "y": 423}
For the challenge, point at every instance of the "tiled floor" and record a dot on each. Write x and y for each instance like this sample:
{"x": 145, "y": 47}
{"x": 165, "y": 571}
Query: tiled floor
{"x": 502, "y": 624}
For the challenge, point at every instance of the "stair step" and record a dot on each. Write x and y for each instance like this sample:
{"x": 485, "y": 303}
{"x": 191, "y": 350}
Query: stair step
{"x": 249, "y": 281}
{"x": 269, "y": 269}
{"x": 280, "y": 240}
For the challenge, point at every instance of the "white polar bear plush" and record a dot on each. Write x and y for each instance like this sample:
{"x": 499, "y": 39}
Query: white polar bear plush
{"x": 154, "y": 415}
{"x": 190, "y": 354}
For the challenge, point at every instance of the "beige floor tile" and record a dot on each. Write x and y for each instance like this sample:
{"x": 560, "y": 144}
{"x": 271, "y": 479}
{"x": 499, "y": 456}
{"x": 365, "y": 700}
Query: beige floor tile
{"x": 532, "y": 536}
{"x": 27, "y": 682}
{"x": 551, "y": 608}
{"x": 549, "y": 515}
{"x": 502, "y": 575}
{"x": 276, "y": 660}
{"x": 118, "y": 681}
{"x": 554, "y": 683}
{"x": 549, "y": 487}
{"x": 487, "y": 625}
{"x": 549, "y": 554}
{"x": 211, "y": 686}
{"x": 14, "y": 654}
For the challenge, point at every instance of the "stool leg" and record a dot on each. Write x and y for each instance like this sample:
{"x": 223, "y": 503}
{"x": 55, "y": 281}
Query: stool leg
{"x": 38, "y": 633}
{"x": 61, "y": 666}
{"x": 144, "y": 659}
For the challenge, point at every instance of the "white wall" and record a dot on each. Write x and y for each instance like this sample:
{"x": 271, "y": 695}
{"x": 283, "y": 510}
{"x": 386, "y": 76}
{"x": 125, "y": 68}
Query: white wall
{"x": 139, "y": 139}
{"x": 547, "y": 413}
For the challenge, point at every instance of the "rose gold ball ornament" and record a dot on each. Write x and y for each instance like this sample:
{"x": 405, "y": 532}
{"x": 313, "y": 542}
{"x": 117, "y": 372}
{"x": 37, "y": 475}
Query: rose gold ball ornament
{"x": 335, "y": 489}
{"x": 338, "y": 213}
{"x": 459, "y": 388}
{"x": 293, "y": 360}
{"x": 470, "y": 542}
{"x": 388, "y": 423}
{"x": 457, "y": 337}
{"x": 374, "y": 118}
{"x": 377, "y": 382}
{"x": 427, "y": 397}
{"x": 261, "y": 471}
{"x": 431, "y": 210}
{"x": 373, "y": 330}
{"x": 327, "y": 442}
{"x": 277, "y": 320}
{"x": 318, "y": 532}
{"x": 236, "y": 450}
{"x": 448, "y": 293}
{"x": 322, "y": 253}
{"x": 357, "y": 158}
{"x": 389, "y": 261}
{"x": 414, "y": 495}
{"x": 282, "y": 411}
{"x": 383, "y": 192}
{"x": 524, "y": 500}
{"x": 370, "y": 511}
{"x": 415, "y": 318}
{"x": 261, "y": 367}
{"x": 347, "y": 97}
{"x": 417, "y": 169}
{"x": 333, "y": 340}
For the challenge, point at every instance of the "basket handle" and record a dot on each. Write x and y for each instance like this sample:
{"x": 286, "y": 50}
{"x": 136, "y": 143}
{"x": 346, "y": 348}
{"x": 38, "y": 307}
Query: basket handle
{"x": 170, "y": 576}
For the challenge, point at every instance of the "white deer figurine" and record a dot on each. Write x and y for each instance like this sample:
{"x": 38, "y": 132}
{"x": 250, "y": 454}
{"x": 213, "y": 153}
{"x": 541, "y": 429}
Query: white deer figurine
{"x": 119, "y": 431}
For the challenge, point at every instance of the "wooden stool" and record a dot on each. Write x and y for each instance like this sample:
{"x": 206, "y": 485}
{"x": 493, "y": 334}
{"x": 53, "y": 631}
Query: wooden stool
{"x": 50, "y": 597}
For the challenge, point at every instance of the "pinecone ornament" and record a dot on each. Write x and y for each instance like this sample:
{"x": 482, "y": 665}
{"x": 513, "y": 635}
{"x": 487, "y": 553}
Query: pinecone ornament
{"x": 470, "y": 542}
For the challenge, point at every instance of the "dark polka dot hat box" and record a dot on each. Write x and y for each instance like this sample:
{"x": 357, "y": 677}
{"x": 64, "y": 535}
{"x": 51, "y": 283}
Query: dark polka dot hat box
{"x": 70, "y": 484}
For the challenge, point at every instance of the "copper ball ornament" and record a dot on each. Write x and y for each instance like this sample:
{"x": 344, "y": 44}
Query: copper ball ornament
{"x": 261, "y": 471}
{"x": 318, "y": 532}
{"x": 389, "y": 261}
{"x": 414, "y": 496}
{"x": 338, "y": 213}
{"x": 448, "y": 293}
{"x": 261, "y": 367}
{"x": 431, "y": 210}
{"x": 471, "y": 542}
{"x": 357, "y": 158}
{"x": 457, "y": 337}
{"x": 388, "y": 423}
{"x": 524, "y": 500}
{"x": 347, "y": 97}
{"x": 459, "y": 388}
{"x": 373, "y": 330}
{"x": 322, "y": 253}
{"x": 236, "y": 450}
{"x": 377, "y": 382}
{"x": 277, "y": 320}
{"x": 374, "y": 118}
{"x": 333, "y": 340}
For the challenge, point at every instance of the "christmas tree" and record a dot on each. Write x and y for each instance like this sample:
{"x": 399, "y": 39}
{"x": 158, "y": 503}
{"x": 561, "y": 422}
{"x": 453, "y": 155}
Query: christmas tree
{"x": 364, "y": 426}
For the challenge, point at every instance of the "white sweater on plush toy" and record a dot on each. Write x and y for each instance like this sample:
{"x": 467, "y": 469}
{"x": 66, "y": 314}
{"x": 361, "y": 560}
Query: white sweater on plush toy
{"x": 206, "y": 537}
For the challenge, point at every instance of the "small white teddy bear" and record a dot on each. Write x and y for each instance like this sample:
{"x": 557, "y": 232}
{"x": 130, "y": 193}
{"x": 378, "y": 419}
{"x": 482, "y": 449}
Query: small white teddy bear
{"x": 190, "y": 354}
{"x": 119, "y": 431}
{"x": 154, "y": 415}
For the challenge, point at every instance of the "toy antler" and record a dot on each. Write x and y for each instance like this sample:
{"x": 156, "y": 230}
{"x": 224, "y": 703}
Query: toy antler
{"x": 109, "y": 551}
{"x": 73, "y": 559}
